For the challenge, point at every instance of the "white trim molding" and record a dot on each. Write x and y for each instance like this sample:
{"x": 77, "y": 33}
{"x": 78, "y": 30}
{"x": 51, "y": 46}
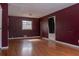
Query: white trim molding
{"x": 0, "y": 26}
{"x": 24, "y": 37}
{"x": 70, "y": 45}
{"x": 3, "y": 48}
{"x": 45, "y": 38}
{"x": 64, "y": 43}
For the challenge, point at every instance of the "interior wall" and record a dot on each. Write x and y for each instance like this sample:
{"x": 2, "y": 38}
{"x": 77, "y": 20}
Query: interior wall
{"x": 15, "y": 27}
{"x": 67, "y": 25}
{"x": 4, "y": 24}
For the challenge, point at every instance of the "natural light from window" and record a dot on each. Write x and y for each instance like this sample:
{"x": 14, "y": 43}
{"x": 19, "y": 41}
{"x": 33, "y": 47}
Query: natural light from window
{"x": 26, "y": 25}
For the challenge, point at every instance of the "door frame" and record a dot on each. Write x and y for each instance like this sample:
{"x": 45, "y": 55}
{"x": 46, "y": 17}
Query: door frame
{"x": 54, "y": 26}
{"x": 1, "y": 27}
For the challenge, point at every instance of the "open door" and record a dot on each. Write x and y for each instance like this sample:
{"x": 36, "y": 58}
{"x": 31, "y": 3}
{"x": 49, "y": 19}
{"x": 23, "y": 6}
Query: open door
{"x": 0, "y": 26}
{"x": 52, "y": 28}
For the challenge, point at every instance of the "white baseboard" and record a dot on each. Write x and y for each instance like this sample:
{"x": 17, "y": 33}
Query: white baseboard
{"x": 67, "y": 44}
{"x": 45, "y": 38}
{"x": 70, "y": 45}
{"x": 4, "y": 47}
{"x": 24, "y": 37}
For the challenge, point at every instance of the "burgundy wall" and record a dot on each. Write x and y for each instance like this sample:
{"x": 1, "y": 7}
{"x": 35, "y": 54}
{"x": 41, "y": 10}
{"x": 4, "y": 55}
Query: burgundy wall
{"x": 67, "y": 25}
{"x": 4, "y": 24}
{"x": 15, "y": 27}
{"x": 44, "y": 27}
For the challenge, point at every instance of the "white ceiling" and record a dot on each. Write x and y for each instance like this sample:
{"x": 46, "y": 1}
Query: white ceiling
{"x": 35, "y": 10}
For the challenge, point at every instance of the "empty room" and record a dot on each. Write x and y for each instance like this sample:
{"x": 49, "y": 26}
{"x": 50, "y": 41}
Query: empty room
{"x": 39, "y": 29}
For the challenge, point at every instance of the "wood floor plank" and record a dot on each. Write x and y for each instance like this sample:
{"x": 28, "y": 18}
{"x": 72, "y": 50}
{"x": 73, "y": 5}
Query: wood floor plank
{"x": 37, "y": 47}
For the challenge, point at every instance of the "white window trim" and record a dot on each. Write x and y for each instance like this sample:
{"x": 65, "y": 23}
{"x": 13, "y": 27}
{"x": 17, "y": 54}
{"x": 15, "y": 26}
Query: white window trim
{"x": 26, "y": 26}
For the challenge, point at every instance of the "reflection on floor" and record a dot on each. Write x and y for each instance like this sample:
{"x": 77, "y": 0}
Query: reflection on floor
{"x": 37, "y": 47}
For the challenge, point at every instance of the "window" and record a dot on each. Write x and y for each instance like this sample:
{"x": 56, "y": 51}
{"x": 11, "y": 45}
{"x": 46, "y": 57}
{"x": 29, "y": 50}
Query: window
{"x": 26, "y": 25}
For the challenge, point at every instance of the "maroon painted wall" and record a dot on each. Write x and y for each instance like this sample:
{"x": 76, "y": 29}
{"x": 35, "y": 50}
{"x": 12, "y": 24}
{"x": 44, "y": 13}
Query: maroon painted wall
{"x": 67, "y": 25}
{"x": 4, "y": 24}
{"x": 15, "y": 27}
{"x": 44, "y": 27}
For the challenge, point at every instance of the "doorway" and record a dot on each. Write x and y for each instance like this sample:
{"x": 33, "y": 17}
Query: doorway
{"x": 52, "y": 28}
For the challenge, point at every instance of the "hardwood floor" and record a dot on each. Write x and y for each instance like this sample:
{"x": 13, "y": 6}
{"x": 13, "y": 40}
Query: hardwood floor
{"x": 37, "y": 47}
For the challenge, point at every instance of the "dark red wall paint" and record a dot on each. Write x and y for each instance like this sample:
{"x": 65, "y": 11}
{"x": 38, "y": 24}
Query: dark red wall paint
{"x": 15, "y": 27}
{"x": 44, "y": 27}
{"x": 67, "y": 25}
{"x": 4, "y": 24}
